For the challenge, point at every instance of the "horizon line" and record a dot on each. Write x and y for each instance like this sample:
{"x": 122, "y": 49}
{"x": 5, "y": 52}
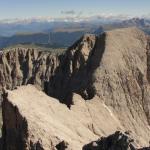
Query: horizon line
{"x": 76, "y": 17}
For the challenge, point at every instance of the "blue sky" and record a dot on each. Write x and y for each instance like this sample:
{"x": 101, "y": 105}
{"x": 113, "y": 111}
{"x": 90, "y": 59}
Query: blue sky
{"x": 60, "y": 8}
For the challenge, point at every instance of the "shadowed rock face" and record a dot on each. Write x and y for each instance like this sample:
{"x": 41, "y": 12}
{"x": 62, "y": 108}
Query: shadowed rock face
{"x": 145, "y": 148}
{"x": 109, "y": 74}
{"x": 116, "y": 141}
{"x": 14, "y": 128}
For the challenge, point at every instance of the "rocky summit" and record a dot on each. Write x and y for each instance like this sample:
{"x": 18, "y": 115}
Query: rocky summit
{"x": 98, "y": 86}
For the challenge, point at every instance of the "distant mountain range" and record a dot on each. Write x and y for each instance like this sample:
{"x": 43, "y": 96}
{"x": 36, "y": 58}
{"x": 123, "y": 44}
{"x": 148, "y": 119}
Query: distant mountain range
{"x": 61, "y": 33}
{"x": 9, "y": 27}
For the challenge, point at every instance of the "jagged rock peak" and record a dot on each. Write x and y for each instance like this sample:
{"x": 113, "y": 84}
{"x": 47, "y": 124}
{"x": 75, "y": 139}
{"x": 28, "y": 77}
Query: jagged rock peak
{"x": 23, "y": 66}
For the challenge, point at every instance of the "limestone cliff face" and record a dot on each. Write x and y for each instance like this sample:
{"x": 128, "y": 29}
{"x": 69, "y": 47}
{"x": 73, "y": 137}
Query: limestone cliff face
{"x": 110, "y": 73}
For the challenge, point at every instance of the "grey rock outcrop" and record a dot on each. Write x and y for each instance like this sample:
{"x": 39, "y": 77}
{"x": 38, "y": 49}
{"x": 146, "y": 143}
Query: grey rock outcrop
{"x": 116, "y": 141}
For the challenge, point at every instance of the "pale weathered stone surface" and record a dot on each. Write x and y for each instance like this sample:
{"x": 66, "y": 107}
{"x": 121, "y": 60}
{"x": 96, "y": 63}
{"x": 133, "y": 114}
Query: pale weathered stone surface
{"x": 31, "y": 116}
{"x": 32, "y": 119}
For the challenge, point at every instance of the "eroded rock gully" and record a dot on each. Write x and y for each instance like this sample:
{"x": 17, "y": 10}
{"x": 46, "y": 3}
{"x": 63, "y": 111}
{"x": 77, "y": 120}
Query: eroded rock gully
{"x": 99, "y": 77}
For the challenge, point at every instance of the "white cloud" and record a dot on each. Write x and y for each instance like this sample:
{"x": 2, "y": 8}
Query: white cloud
{"x": 72, "y": 16}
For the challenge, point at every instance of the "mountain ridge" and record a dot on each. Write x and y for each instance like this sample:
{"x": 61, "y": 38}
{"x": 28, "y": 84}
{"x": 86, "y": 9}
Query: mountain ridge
{"x": 98, "y": 77}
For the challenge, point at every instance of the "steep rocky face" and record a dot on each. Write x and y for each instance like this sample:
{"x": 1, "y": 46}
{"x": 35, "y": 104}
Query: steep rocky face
{"x": 110, "y": 72}
{"x": 75, "y": 71}
{"x": 122, "y": 78}
{"x": 23, "y": 66}
{"x": 17, "y": 127}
